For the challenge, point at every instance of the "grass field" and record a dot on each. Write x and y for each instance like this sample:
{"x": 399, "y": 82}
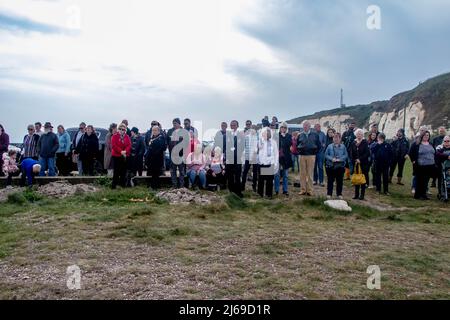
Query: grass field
{"x": 292, "y": 248}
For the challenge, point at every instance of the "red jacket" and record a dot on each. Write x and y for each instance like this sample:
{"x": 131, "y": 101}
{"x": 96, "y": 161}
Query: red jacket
{"x": 118, "y": 145}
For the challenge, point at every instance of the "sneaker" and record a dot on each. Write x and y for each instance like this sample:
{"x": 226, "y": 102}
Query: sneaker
{"x": 329, "y": 197}
{"x": 302, "y": 193}
{"x": 322, "y": 185}
{"x": 315, "y": 183}
{"x": 9, "y": 187}
{"x": 387, "y": 194}
{"x": 413, "y": 190}
{"x": 370, "y": 187}
{"x": 340, "y": 197}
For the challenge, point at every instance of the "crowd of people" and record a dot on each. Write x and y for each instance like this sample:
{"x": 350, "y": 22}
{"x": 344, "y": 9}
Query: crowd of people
{"x": 267, "y": 152}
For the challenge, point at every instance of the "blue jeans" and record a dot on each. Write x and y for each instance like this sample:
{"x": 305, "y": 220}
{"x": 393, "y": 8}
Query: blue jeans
{"x": 47, "y": 164}
{"x": 284, "y": 175}
{"x": 192, "y": 174}
{"x": 295, "y": 163}
{"x": 318, "y": 167}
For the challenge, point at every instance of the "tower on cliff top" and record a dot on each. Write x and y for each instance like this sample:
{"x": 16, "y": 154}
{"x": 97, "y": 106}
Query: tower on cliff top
{"x": 342, "y": 98}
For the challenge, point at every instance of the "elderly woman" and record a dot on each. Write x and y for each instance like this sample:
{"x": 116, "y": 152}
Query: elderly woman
{"x": 155, "y": 156}
{"x": 215, "y": 174}
{"x": 121, "y": 150}
{"x": 196, "y": 164}
{"x": 336, "y": 156}
{"x": 422, "y": 155}
{"x": 359, "y": 155}
{"x": 88, "y": 150}
{"x": 30, "y": 141}
{"x": 268, "y": 162}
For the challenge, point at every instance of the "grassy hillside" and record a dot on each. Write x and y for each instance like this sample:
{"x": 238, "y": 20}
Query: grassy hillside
{"x": 433, "y": 93}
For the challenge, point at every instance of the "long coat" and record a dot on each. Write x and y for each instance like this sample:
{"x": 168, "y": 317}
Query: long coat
{"x": 155, "y": 153}
{"x": 107, "y": 163}
{"x": 285, "y": 152}
{"x": 88, "y": 147}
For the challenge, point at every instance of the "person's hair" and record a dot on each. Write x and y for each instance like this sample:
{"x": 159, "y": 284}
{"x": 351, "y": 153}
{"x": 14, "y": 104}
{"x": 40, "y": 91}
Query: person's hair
{"x": 159, "y": 129}
{"x": 446, "y": 137}
{"x": 12, "y": 152}
{"x": 38, "y": 124}
{"x": 423, "y": 135}
{"x": 91, "y": 127}
{"x": 177, "y": 120}
{"x": 122, "y": 125}
{"x": 82, "y": 124}
{"x": 187, "y": 119}
{"x": 112, "y": 126}
{"x": 2, "y": 129}
{"x": 30, "y": 126}
{"x": 61, "y": 126}
{"x": 331, "y": 129}
{"x": 237, "y": 122}
{"x": 36, "y": 168}
{"x": 359, "y": 131}
{"x": 249, "y": 121}
{"x": 337, "y": 134}
{"x": 382, "y": 136}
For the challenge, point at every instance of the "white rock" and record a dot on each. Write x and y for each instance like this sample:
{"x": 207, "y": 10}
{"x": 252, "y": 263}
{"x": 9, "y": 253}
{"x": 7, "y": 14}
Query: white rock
{"x": 340, "y": 205}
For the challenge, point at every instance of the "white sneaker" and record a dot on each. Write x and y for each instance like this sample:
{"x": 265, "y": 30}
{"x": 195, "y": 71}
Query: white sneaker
{"x": 329, "y": 197}
{"x": 413, "y": 191}
{"x": 9, "y": 187}
{"x": 341, "y": 198}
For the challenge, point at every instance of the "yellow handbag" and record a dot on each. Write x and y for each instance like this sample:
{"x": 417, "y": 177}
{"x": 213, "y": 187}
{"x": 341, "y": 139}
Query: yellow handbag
{"x": 358, "y": 178}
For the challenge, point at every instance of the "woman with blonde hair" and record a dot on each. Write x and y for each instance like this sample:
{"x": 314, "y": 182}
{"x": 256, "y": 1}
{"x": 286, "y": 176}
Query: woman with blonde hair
{"x": 359, "y": 155}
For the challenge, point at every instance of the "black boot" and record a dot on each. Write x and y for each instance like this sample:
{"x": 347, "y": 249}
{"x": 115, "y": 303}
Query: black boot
{"x": 356, "y": 197}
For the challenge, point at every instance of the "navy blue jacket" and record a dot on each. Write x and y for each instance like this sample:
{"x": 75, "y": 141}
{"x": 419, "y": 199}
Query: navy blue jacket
{"x": 382, "y": 154}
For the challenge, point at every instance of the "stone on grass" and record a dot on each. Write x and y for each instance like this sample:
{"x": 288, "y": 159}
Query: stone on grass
{"x": 340, "y": 205}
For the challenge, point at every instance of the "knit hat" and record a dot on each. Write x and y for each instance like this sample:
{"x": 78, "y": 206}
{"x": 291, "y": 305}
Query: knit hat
{"x": 135, "y": 130}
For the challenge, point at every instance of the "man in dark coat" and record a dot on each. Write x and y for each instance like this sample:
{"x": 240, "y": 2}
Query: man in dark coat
{"x": 47, "y": 146}
{"x": 400, "y": 149}
{"x": 308, "y": 144}
{"x": 136, "y": 162}
{"x": 382, "y": 157}
{"x": 234, "y": 157}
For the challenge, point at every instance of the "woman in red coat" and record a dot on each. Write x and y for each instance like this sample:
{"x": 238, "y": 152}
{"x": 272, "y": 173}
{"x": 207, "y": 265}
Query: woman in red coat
{"x": 121, "y": 149}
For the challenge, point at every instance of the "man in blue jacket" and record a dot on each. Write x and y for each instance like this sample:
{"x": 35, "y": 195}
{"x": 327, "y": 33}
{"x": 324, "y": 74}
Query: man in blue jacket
{"x": 308, "y": 145}
{"x": 30, "y": 168}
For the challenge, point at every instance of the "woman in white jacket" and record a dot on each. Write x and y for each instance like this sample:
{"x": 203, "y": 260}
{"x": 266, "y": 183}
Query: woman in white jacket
{"x": 268, "y": 162}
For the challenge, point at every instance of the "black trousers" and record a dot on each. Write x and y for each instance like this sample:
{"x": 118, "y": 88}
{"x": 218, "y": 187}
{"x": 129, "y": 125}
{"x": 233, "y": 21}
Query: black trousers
{"x": 88, "y": 166}
{"x": 335, "y": 174}
{"x": 10, "y": 176}
{"x": 155, "y": 182}
{"x": 63, "y": 163}
{"x": 267, "y": 182}
{"x": 382, "y": 173}
{"x": 247, "y": 166}
{"x": 360, "y": 191}
{"x": 423, "y": 175}
{"x": 401, "y": 164}
{"x": 120, "y": 172}
{"x": 233, "y": 174}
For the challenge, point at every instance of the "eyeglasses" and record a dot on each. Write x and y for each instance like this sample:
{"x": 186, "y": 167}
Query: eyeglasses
{"x": 30, "y": 129}
{"x": 121, "y": 129}
{"x": 446, "y": 140}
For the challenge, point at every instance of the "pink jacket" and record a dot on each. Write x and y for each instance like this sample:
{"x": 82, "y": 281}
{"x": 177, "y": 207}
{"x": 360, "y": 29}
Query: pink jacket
{"x": 9, "y": 165}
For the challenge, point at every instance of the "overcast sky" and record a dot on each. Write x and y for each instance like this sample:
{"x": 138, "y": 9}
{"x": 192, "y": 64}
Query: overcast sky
{"x": 102, "y": 61}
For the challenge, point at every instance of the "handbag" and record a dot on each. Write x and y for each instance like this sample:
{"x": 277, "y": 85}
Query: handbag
{"x": 358, "y": 178}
